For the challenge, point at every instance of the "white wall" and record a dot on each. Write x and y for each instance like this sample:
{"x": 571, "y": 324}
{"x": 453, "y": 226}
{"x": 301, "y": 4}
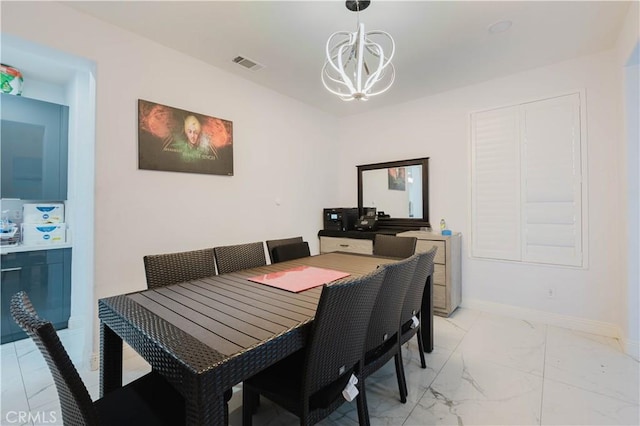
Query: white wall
{"x": 628, "y": 59}
{"x": 438, "y": 127}
{"x": 281, "y": 154}
{"x": 281, "y": 149}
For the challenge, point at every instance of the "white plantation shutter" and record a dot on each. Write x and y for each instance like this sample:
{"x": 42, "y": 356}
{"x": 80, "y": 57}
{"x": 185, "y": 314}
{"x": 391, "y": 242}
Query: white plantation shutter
{"x": 527, "y": 182}
{"x": 551, "y": 181}
{"x": 496, "y": 184}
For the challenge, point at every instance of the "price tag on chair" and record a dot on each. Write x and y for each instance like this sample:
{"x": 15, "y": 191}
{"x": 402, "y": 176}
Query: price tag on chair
{"x": 414, "y": 322}
{"x": 351, "y": 391}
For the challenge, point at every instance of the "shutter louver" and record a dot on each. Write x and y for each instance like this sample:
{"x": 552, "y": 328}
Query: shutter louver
{"x": 496, "y": 184}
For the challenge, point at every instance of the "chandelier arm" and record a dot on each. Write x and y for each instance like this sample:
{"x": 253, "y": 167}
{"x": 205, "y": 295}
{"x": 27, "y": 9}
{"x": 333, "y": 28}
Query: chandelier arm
{"x": 393, "y": 44}
{"x": 373, "y": 78}
{"x": 328, "y": 76}
{"x": 342, "y": 72}
{"x": 343, "y": 96}
{"x": 336, "y": 48}
{"x": 382, "y": 90}
{"x": 360, "y": 42}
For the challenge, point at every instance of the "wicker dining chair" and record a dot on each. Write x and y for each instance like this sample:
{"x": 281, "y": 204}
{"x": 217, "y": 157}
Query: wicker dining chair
{"x": 290, "y": 252}
{"x": 383, "y": 335}
{"x": 271, "y": 244}
{"x": 392, "y": 246}
{"x": 309, "y": 383}
{"x": 238, "y": 257}
{"x": 413, "y": 301}
{"x": 149, "y": 400}
{"x": 171, "y": 268}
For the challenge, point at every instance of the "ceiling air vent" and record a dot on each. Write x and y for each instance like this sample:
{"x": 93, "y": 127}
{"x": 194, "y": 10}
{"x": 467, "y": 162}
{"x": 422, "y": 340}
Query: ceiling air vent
{"x": 248, "y": 63}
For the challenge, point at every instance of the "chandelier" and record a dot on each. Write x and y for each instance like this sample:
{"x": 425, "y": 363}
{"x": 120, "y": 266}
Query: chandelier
{"x": 356, "y": 66}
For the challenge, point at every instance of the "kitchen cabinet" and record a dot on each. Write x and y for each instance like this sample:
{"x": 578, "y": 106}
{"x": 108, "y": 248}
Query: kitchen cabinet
{"x": 46, "y": 277}
{"x": 33, "y": 149}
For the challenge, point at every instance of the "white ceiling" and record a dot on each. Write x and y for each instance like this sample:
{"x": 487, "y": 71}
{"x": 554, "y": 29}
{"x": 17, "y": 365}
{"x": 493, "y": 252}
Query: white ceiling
{"x": 439, "y": 45}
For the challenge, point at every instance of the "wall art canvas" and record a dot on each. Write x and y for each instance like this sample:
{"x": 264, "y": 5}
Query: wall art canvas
{"x": 397, "y": 178}
{"x": 173, "y": 139}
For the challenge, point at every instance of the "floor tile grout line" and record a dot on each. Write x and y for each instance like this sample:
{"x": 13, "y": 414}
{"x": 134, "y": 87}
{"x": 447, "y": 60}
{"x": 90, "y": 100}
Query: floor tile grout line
{"x": 544, "y": 369}
{"x": 440, "y": 370}
{"x": 573, "y": 385}
{"x": 21, "y": 370}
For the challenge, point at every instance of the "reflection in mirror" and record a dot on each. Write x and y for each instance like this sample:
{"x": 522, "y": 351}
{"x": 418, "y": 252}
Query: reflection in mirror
{"x": 400, "y": 189}
{"x": 396, "y": 191}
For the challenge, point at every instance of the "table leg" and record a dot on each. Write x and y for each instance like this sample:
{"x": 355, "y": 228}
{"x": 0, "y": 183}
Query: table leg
{"x": 211, "y": 410}
{"x": 110, "y": 360}
{"x": 426, "y": 328}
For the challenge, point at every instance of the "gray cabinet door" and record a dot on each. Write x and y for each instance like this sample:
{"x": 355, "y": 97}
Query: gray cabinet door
{"x": 46, "y": 277}
{"x": 33, "y": 149}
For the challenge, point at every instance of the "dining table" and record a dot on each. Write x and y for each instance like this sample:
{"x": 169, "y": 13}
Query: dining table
{"x": 205, "y": 336}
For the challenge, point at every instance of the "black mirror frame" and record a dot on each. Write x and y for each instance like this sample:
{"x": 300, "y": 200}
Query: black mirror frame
{"x": 400, "y": 222}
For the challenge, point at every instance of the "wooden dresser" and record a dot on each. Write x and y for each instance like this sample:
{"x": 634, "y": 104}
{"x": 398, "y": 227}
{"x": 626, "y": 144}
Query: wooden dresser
{"x": 447, "y": 279}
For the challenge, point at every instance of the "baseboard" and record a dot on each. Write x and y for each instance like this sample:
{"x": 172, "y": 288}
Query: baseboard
{"x": 565, "y": 321}
{"x": 76, "y": 322}
{"x": 94, "y": 359}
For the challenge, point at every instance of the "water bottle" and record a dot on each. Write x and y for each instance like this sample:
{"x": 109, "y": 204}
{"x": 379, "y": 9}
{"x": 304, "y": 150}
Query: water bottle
{"x": 443, "y": 225}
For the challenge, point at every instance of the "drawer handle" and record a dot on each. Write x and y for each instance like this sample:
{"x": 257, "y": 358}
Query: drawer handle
{"x": 11, "y": 269}
{"x": 344, "y": 245}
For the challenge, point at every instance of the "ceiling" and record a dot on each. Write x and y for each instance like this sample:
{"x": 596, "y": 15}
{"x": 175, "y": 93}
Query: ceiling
{"x": 439, "y": 45}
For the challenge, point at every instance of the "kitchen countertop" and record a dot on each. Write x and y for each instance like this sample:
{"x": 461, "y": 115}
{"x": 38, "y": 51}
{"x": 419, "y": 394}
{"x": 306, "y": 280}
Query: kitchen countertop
{"x": 32, "y": 247}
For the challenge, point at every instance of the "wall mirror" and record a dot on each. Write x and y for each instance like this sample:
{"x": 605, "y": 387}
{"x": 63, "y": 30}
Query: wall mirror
{"x": 400, "y": 189}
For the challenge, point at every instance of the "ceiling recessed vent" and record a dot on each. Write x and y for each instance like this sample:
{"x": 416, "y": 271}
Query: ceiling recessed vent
{"x": 248, "y": 63}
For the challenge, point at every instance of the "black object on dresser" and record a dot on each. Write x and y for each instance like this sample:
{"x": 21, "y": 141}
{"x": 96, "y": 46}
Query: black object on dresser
{"x": 340, "y": 218}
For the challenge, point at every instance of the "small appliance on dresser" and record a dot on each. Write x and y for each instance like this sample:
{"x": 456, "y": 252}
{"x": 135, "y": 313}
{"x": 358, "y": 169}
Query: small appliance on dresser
{"x": 340, "y": 218}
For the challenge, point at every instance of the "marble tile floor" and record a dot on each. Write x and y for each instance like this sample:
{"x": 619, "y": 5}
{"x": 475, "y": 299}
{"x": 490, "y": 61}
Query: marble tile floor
{"x": 484, "y": 370}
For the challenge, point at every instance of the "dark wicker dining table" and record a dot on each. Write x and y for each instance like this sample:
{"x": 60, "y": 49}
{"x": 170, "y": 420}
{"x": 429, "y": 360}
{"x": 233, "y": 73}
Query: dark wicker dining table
{"x": 205, "y": 336}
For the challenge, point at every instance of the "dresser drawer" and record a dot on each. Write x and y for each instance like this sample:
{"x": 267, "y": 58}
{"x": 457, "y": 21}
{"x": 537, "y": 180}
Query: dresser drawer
{"x": 439, "y": 275}
{"x": 350, "y": 245}
{"x": 425, "y": 245}
{"x": 439, "y": 296}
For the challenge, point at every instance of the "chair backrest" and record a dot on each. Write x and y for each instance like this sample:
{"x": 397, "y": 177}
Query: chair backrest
{"x": 392, "y": 246}
{"x": 238, "y": 257}
{"x": 271, "y": 244}
{"x": 75, "y": 402}
{"x": 172, "y": 268}
{"x": 413, "y": 298}
{"x": 290, "y": 252}
{"x": 339, "y": 330}
{"x": 385, "y": 318}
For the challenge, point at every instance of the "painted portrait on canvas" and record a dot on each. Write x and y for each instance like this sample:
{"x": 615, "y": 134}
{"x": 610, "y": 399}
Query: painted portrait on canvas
{"x": 173, "y": 139}
{"x": 397, "y": 178}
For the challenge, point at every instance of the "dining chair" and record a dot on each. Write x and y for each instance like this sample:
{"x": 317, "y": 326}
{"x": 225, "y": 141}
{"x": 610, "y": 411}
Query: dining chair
{"x": 171, "y": 268}
{"x": 413, "y": 301}
{"x": 149, "y": 400}
{"x": 271, "y": 244}
{"x": 383, "y": 334}
{"x": 310, "y": 382}
{"x": 392, "y": 246}
{"x": 240, "y": 256}
{"x": 290, "y": 252}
